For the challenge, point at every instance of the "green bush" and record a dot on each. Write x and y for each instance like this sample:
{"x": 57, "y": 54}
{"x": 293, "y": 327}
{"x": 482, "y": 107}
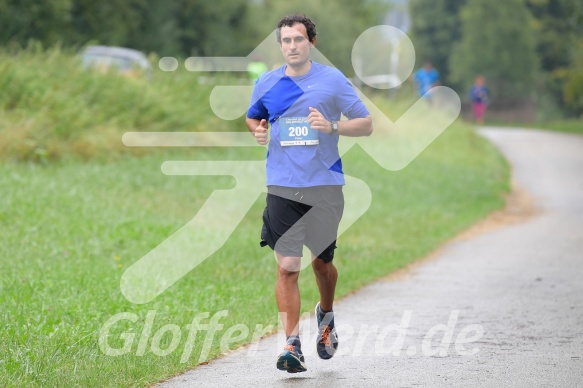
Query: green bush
{"x": 52, "y": 108}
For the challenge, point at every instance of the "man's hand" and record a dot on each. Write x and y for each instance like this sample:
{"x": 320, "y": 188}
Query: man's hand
{"x": 360, "y": 126}
{"x": 261, "y": 134}
{"x": 319, "y": 122}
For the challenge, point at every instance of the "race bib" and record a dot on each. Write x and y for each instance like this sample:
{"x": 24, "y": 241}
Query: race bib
{"x": 294, "y": 131}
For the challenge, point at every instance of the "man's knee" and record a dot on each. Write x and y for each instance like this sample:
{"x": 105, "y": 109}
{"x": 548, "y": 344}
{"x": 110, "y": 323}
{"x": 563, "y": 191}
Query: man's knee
{"x": 288, "y": 267}
{"x": 321, "y": 268}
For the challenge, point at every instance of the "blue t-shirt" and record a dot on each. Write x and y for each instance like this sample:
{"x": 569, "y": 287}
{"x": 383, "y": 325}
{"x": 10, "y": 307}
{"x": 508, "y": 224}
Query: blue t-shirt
{"x": 277, "y": 97}
{"x": 425, "y": 79}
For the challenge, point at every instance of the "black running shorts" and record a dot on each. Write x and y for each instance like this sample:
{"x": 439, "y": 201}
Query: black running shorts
{"x": 309, "y": 216}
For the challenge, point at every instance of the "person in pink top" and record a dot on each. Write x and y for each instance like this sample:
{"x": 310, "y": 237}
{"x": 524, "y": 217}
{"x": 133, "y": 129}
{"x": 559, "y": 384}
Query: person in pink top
{"x": 480, "y": 96}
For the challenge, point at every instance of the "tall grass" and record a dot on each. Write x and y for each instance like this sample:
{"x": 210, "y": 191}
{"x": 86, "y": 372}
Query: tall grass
{"x": 51, "y": 108}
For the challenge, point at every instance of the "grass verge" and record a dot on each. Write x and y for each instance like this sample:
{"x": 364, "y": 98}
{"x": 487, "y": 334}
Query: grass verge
{"x": 566, "y": 125}
{"x": 71, "y": 225}
{"x": 70, "y": 229}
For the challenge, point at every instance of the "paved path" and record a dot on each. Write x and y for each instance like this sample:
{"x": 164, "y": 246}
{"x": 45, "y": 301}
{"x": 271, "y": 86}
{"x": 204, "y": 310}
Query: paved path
{"x": 515, "y": 293}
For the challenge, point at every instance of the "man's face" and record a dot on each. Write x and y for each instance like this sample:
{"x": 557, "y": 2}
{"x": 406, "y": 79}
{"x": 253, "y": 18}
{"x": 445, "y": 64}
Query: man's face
{"x": 295, "y": 45}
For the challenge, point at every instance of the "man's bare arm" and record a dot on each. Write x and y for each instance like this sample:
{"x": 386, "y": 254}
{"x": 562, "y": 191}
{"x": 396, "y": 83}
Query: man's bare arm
{"x": 259, "y": 129}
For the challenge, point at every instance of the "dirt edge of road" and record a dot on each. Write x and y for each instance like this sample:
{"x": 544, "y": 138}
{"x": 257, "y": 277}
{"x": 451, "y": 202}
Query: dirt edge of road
{"x": 519, "y": 207}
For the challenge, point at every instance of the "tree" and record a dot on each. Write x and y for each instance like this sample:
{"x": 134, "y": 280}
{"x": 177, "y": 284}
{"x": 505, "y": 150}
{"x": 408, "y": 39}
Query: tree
{"x": 572, "y": 78}
{"x": 338, "y": 23}
{"x": 182, "y": 27}
{"x": 559, "y": 27}
{"x": 555, "y": 27}
{"x": 157, "y": 29}
{"x": 554, "y": 31}
{"x": 108, "y": 22}
{"x": 498, "y": 42}
{"x": 211, "y": 28}
{"x": 23, "y": 20}
{"x": 434, "y": 31}
{"x": 573, "y": 75}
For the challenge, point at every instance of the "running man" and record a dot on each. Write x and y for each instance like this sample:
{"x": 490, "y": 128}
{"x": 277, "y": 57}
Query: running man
{"x": 296, "y": 109}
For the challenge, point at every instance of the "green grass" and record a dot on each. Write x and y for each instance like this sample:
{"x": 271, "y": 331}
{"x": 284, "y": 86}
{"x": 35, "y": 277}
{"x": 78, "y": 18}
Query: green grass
{"x": 77, "y": 209}
{"x": 566, "y": 125}
{"x": 70, "y": 229}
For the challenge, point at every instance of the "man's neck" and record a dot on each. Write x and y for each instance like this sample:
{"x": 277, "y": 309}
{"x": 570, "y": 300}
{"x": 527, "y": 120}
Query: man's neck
{"x": 297, "y": 71}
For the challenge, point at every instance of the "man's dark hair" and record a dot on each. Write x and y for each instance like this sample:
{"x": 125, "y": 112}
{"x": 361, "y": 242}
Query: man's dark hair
{"x": 290, "y": 20}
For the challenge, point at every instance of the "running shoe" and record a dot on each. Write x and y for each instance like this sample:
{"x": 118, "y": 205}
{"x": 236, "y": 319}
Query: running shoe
{"x": 291, "y": 360}
{"x": 327, "y": 339}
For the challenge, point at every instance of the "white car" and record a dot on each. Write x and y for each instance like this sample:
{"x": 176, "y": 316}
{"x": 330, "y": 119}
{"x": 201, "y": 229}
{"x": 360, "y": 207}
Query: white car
{"x": 127, "y": 61}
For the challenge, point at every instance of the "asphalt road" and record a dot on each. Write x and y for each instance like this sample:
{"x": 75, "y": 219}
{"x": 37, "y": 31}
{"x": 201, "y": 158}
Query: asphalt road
{"x": 501, "y": 307}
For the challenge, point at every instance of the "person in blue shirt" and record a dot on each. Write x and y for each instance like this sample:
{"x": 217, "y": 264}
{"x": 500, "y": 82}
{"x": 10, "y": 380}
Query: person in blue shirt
{"x": 426, "y": 78}
{"x": 296, "y": 110}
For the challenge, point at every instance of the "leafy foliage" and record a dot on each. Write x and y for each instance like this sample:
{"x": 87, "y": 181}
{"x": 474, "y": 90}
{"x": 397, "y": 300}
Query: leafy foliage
{"x": 557, "y": 26}
{"x": 435, "y": 30}
{"x": 465, "y": 37}
{"x": 497, "y": 41}
{"x": 572, "y": 78}
{"x": 180, "y": 27}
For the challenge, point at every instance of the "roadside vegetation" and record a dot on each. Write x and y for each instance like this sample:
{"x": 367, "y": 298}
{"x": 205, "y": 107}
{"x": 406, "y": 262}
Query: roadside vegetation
{"x": 53, "y": 109}
{"x": 565, "y": 125}
{"x": 78, "y": 208}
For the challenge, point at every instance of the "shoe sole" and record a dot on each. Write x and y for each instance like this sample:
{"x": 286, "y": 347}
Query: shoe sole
{"x": 290, "y": 363}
